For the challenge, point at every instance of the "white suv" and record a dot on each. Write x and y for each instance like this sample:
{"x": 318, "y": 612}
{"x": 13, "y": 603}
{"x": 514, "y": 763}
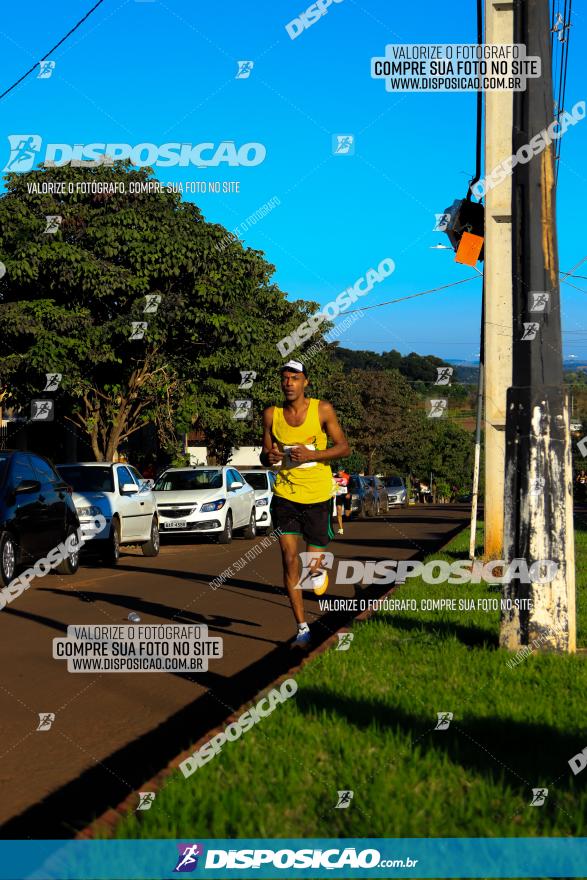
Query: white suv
{"x": 214, "y": 500}
{"x": 119, "y": 493}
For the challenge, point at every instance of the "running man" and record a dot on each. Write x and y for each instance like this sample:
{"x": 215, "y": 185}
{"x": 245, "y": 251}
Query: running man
{"x": 342, "y": 498}
{"x": 295, "y": 437}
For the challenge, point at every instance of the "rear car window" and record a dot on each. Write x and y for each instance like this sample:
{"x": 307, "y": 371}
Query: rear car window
{"x": 256, "y": 480}
{"x": 88, "y": 479}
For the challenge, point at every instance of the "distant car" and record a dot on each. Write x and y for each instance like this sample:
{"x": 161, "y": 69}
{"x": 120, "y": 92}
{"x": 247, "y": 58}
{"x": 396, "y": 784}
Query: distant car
{"x": 379, "y": 494}
{"x": 262, "y": 480}
{"x": 37, "y": 513}
{"x": 397, "y": 493}
{"x": 121, "y": 495}
{"x": 206, "y": 499}
{"x": 362, "y": 497}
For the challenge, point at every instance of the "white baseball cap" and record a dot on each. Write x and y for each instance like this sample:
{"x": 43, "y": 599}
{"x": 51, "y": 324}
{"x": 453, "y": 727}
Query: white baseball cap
{"x": 294, "y": 365}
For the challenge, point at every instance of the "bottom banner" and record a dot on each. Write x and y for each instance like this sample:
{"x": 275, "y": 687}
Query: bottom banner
{"x": 287, "y": 858}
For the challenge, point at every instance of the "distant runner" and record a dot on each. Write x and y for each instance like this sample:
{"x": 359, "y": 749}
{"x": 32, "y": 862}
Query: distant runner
{"x": 343, "y": 498}
{"x": 295, "y": 436}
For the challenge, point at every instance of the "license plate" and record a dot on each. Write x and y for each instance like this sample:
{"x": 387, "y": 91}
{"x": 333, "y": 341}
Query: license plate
{"x": 176, "y": 524}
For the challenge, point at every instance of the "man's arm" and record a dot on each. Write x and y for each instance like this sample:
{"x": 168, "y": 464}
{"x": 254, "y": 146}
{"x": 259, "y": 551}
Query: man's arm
{"x": 340, "y": 447}
{"x": 270, "y": 453}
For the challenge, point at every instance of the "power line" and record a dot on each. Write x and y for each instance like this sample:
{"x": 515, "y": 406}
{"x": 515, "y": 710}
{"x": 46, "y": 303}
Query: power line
{"x": 56, "y": 46}
{"x": 479, "y": 120}
{"x": 572, "y": 269}
{"x": 403, "y": 298}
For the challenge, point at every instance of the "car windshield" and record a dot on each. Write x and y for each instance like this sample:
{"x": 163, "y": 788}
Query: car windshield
{"x": 256, "y": 480}
{"x": 178, "y": 481}
{"x": 88, "y": 479}
{"x": 394, "y": 482}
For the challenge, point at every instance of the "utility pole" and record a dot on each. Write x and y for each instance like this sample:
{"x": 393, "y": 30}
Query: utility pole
{"x": 499, "y": 28}
{"x": 539, "y": 502}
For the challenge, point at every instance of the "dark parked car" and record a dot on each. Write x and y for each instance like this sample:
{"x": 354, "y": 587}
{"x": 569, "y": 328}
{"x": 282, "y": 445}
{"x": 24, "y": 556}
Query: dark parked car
{"x": 36, "y": 514}
{"x": 397, "y": 494}
{"x": 379, "y": 494}
{"x": 362, "y": 497}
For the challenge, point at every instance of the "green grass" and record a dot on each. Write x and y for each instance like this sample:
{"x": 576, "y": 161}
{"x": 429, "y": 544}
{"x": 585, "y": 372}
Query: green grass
{"x": 364, "y": 720}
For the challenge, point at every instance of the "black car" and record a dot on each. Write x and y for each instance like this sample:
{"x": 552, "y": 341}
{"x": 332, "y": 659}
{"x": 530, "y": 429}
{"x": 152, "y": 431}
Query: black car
{"x": 363, "y": 503}
{"x": 36, "y": 513}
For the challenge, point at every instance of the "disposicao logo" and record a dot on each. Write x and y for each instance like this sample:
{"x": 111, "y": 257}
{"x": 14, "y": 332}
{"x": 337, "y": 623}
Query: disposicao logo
{"x": 25, "y": 149}
{"x": 187, "y": 860}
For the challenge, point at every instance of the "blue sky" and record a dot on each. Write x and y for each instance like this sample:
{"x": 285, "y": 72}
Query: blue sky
{"x": 165, "y": 71}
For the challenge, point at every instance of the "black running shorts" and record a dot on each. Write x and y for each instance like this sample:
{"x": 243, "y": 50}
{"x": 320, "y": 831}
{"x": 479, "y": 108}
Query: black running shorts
{"x": 344, "y": 501}
{"x": 311, "y": 521}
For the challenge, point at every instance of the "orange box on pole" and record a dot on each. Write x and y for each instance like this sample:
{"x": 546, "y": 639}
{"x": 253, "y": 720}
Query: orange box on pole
{"x": 469, "y": 249}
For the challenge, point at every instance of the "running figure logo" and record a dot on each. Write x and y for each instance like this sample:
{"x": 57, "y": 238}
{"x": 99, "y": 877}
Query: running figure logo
{"x": 540, "y": 300}
{"x": 138, "y": 329}
{"x": 444, "y": 719}
{"x": 444, "y": 375}
{"x": 189, "y": 854}
{"x": 437, "y": 408}
{"x": 530, "y": 331}
{"x": 442, "y": 221}
{"x": 242, "y": 409}
{"x": 344, "y": 800}
{"x": 153, "y": 302}
{"x": 314, "y": 564}
{"x": 23, "y": 149}
{"x": 244, "y": 69}
{"x": 247, "y": 379}
{"x": 539, "y": 795}
{"x": 146, "y": 799}
{"x": 53, "y": 222}
{"x": 41, "y": 411}
{"x": 52, "y": 381}
{"x": 47, "y": 68}
{"x": 344, "y": 641}
{"x": 46, "y": 719}
{"x": 343, "y": 144}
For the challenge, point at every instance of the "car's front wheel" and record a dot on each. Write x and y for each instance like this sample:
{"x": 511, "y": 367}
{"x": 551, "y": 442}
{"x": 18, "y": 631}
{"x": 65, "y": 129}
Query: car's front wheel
{"x": 8, "y": 555}
{"x": 111, "y": 553}
{"x": 251, "y": 529}
{"x": 225, "y": 536}
{"x": 70, "y": 564}
{"x": 153, "y": 545}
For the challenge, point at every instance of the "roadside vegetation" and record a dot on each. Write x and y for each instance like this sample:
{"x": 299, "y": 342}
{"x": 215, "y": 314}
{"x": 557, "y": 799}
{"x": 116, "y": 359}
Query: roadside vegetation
{"x": 364, "y": 720}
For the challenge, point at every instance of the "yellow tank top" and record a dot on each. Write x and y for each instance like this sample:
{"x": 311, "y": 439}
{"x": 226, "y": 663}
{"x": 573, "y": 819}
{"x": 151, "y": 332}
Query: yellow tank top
{"x": 306, "y": 483}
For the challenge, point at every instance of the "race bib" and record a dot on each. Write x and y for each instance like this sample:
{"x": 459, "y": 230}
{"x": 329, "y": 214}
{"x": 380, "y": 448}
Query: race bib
{"x": 288, "y": 463}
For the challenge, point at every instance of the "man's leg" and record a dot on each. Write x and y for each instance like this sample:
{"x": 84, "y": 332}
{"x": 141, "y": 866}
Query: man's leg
{"x": 291, "y": 574}
{"x": 339, "y": 515}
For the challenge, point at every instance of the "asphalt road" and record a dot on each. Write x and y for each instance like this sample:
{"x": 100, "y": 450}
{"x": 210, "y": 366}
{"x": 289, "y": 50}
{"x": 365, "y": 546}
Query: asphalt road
{"x": 113, "y": 731}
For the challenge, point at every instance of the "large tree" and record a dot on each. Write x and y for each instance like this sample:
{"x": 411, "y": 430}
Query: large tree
{"x": 70, "y": 301}
{"x": 379, "y": 411}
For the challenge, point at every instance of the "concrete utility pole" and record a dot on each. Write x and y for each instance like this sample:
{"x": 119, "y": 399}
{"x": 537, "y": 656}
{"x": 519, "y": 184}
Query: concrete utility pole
{"x": 539, "y": 502}
{"x": 499, "y": 28}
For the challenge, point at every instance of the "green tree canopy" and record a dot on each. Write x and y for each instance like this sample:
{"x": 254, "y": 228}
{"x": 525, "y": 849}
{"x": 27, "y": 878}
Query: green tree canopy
{"x": 70, "y": 301}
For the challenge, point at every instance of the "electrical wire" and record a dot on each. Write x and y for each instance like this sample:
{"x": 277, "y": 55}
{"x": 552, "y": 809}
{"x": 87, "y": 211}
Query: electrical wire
{"x": 56, "y": 46}
{"x": 403, "y": 298}
{"x": 479, "y": 120}
{"x": 564, "y": 91}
